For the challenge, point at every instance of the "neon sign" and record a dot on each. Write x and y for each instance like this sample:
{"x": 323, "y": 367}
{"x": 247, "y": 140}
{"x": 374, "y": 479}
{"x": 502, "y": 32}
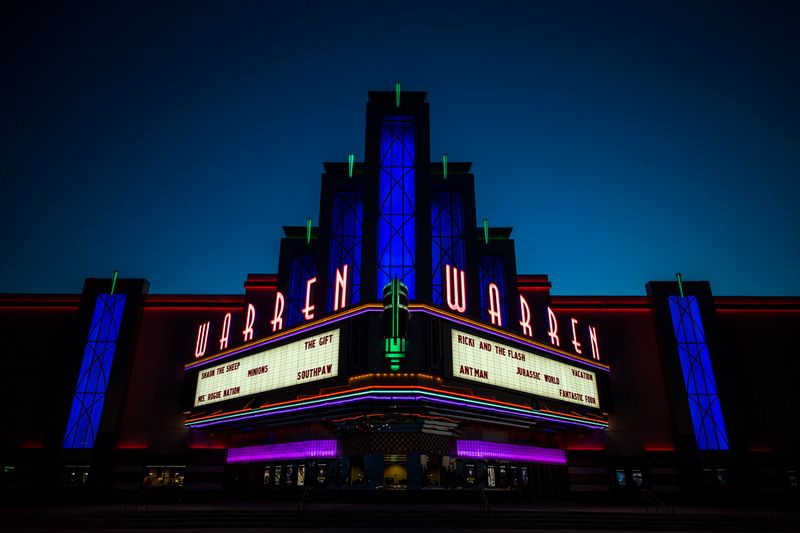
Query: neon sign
{"x": 525, "y": 316}
{"x": 308, "y": 310}
{"x": 309, "y": 359}
{"x": 340, "y": 292}
{"x": 455, "y": 286}
{"x": 500, "y": 364}
{"x": 277, "y": 317}
{"x": 456, "y": 289}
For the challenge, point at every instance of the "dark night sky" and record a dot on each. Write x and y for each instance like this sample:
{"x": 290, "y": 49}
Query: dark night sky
{"x": 623, "y": 141}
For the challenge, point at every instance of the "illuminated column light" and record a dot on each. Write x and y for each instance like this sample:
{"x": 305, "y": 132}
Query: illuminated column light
{"x": 277, "y": 315}
{"x": 248, "y": 326}
{"x": 494, "y": 305}
{"x": 308, "y": 310}
{"x": 552, "y": 331}
{"x": 202, "y": 340}
{"x": 575, "y": 342}
{"x": 340, "y": 292}
{"x": 525, "y": 316}
{"x": 456, "y": 290}
{"x": 226, "y": 330}
{"x": 595, "y": 345}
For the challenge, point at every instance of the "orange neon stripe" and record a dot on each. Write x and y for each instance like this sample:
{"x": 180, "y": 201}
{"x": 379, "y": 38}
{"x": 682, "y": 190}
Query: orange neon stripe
{"x": 364, "y": 389}
{"x": 572, "y": 415}
{"x": 398, "y": 387}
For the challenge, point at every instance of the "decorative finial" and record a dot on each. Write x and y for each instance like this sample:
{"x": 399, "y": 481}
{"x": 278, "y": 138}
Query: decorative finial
{"x": 397, "y": 94}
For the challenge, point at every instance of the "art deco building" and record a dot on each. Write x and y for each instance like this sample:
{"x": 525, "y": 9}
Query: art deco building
{"x": 397, "y": 347}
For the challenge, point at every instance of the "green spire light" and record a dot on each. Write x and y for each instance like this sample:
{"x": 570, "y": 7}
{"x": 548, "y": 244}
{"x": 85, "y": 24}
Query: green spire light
{"x": 397, "y": 94}
{"x": 114, "y": 280}
{"x": 308, "y": 230}
{"x": 679, "y": 277}
{"x": 350, "y": 159}
{"x": 444, "y": 165}
{"x": 395, "y": 301}
{"x": 486, "y": 230}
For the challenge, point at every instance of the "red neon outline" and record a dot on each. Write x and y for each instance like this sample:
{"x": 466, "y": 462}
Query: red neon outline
{"x": 247, "y": 333}
{"x": 277, "y": 316}
{"x": 341, "y": 283}
{"x": 453, "y": 290}
{"x": 494, "y": 305}
{"x": 308, "y": 310}
{"x": 202, "y": 333}
{"x": 278, "y": 336}
{"x": 525, "y": 316}
{"x": 593, "y": 341}
{"x": 575, "y": 342}
{"x": 552, "y": 331}
{"x": 519, "y": 338}
{"x": 226, "y": 330}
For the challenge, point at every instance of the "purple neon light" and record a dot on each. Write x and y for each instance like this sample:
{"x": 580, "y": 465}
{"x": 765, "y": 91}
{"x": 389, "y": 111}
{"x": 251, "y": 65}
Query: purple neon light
{"x": 479, "y": 449}
{"x": 307, "y": 449}
{"x": 394, "y": 397}
{"x": 510, "y": 338}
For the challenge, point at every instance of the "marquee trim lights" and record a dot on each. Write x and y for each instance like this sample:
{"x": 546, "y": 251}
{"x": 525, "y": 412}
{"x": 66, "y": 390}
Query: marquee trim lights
{"x": 397, "y": 393}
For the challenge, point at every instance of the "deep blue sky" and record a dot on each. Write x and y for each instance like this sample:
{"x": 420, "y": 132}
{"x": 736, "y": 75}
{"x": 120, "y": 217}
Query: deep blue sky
{"x": 623, "y": 141}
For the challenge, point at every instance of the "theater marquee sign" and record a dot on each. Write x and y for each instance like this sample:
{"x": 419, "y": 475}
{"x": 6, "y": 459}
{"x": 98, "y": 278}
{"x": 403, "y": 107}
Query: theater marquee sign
{"x": 487, "y": 361}
{"x": 310, "y": 359}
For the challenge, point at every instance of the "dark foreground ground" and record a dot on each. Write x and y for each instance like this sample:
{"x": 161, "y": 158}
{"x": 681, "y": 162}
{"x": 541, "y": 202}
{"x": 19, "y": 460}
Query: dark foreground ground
{"x": 363, "y": 517}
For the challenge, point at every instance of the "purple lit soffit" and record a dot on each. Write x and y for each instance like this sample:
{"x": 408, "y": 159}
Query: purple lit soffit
{"x": 479, "y": 449}
{"x": 307, "y": 449}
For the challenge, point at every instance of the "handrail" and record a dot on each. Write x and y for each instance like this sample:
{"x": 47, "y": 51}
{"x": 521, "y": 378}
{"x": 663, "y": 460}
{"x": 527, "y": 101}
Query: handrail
{"x": 660, "y": 506}
{"x": 302, "y": 506}
{"x": 137, "y": 498}
{"x": 484, "y": 501}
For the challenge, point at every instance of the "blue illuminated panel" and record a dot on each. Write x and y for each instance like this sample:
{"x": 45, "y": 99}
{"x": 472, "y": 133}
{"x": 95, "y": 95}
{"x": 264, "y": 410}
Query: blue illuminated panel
{"x": 490, "y": 270}
{"x": 98, "y": 355}
{"x": 447, "y": 238}
{"x": 396, "y": 214}
{"x": 346, "y": 240}
{"x": 701, "y": 388}
{"x": 304, "y": 267}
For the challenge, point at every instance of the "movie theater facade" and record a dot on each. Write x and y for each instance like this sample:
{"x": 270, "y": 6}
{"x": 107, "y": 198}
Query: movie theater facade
{"x": 398, "y": 348}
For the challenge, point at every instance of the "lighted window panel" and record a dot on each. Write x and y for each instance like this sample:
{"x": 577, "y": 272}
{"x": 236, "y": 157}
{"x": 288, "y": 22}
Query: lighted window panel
{"x": 347, "y": 217}
{"x": 98, "y": 356}
{"x": 447, "y": 238}
{"x": 304, "y": 267}
{"x": 396, "y": 205}
{"x": 698, "y": 375}
{"x": 490, "y": 270}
